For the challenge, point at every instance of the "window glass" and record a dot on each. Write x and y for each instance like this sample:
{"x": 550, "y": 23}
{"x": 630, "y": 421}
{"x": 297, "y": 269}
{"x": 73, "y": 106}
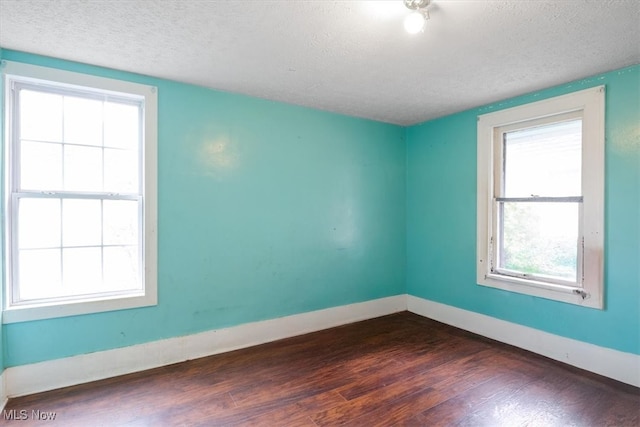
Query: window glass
{"x": 120, "y": 222}
{"x": 82, "y": 121}
{"x": 540, "y": 239}
{"x": 40, "y": 165}
{"x": 82, "y": 168}
{"x": 81, "y": 222}
{"x": 40, "y": 116}
{"x": 121, "y": 267}
{"x": 120, "y": 171}
{"x": 544, "y": 160}
{"x": 121, "y": 125}
{"x": 38, "y": 231}
{"x": 40, "y": 273}
{"x": 81, "y": 271}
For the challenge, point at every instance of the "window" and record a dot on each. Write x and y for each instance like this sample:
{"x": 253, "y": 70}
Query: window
{"x": 541, "y": 198}
{"x": 80, "y": 202}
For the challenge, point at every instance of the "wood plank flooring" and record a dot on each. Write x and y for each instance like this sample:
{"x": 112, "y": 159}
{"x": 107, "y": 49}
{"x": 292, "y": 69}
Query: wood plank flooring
{"x": 400, "y": 370}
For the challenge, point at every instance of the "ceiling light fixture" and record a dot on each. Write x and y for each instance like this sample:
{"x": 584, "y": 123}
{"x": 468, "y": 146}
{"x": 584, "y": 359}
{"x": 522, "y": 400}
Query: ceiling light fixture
{"x": 414, "y": 22}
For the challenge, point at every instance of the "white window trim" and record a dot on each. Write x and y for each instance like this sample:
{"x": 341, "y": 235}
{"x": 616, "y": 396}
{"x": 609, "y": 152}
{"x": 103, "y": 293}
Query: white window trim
{"x": 149, "y": 295}
{"x": 591, "y": 102}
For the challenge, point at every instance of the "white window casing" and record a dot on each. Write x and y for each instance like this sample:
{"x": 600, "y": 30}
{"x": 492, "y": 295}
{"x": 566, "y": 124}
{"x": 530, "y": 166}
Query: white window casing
{"x": 589, "y": 106}
{"x": 92, "y": 298}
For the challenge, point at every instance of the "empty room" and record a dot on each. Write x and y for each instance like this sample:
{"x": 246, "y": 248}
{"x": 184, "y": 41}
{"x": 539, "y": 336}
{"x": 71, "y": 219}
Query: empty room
{"x": 319, "y": 213}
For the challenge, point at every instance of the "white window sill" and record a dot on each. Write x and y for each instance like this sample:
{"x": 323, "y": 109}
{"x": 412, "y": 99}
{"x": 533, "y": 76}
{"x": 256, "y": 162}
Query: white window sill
{"x": 562, "y": 293}
{"x": 25, "y": 313}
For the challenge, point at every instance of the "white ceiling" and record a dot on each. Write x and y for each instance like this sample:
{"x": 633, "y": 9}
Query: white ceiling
{"x": 350, "y": 57}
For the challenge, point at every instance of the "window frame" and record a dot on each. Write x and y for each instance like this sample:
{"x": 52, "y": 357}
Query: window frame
{"x": 589, "y": 104}
{"x": 16, "y": 73}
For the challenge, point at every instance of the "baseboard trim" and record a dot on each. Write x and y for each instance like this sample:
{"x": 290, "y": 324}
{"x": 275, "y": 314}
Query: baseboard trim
{"x": 3, "y": 394}
{"x": 621, "y": 366}
{"x": 49, "y": 375}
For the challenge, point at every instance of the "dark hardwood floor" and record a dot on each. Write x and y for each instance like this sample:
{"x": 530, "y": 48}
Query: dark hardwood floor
{"x": 400, "y": 369}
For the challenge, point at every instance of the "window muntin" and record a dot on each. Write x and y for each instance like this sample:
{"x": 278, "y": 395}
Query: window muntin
{"x": 80, "y": 208}
{"x": 540, "y": 203}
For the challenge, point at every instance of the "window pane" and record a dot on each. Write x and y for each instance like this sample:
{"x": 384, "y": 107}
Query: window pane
{"x": 544, "y": 160}
{"x": 81, "y": 222}
{"x": 39, "y": 223}
{"x": 540, "y": 238}
{"x": 40, "y": 116}
{"x": 39, "y": 272}
{"x": 81, "y": 270}
{"x": 121, "y": 125}
{"x": 82, "y": 121}
{"x": 120, "y": 171}
{"x": 82, "y": 168}
{"x": 121, "y": 268}
{"x": 120, "y": 222}
{"x": 40, "y": 166}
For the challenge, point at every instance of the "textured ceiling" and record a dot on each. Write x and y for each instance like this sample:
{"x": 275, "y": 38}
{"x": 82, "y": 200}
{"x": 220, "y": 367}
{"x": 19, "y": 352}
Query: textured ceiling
{"x": 350, "y": 57}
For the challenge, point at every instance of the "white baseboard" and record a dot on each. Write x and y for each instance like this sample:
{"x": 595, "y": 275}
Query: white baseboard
{"x": 621, "y": 366}
{"x": 3, "y": 394}
{"x": 53, "y": 374}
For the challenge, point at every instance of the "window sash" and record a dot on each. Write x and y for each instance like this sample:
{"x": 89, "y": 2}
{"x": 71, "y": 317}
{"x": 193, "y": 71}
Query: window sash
{"x": 497, "y": 246}
{"x": 496, "y": 241}
{"x": 69, "y": 90}
{"x": 15, "y": 295}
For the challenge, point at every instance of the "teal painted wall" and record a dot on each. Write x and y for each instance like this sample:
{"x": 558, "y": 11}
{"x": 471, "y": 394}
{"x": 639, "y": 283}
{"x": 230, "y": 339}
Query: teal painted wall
{"x": 441, "y": 221}
{"x": 265, "y": 210}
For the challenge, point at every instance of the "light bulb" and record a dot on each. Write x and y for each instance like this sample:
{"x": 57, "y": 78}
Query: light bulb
{"x": 414, "y": 22}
